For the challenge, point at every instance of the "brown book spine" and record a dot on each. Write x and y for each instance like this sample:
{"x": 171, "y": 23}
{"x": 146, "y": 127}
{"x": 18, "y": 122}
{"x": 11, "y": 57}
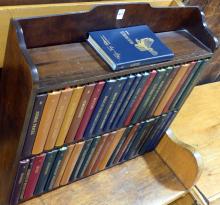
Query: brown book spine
{"x": 79, "y": 112}
{"x": 46, "y": 120}
{"x": 76, "y": 95}
{"x": 125, "y": 144}
{"x": 109, "y": 138}
{"x": 179, "y": 86}
{"x": 63, "y": 165}
{"x": 71, "y": 163}
{"x": 95, "y": 156}
{"x": 58, "y": 118}
{"x": 111, "y": 148}
{"x": 181, "y": 72}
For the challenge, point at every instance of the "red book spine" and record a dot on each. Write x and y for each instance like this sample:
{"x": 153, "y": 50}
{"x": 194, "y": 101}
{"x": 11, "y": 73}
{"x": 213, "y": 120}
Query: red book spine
{"x": 190, "y": 68}
{"x": 34, "y": 175}
{"x": 140, "y": 97}
{"x": 89, "y": 110}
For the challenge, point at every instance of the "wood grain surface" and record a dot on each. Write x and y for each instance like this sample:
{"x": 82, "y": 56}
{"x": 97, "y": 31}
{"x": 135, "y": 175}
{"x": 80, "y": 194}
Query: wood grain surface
{"x": 144, "y": 180}
{"x": 198, "y": 124}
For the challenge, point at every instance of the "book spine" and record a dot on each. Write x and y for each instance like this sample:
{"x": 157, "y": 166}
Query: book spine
{"x": 189, "y": 87}
{"x": 71, "y": 163}
{"x": 136, "y": 103}
{"x": 156, "y": 94}
{"x": 80, "y": 160}
{"x": 109, "y": 85}
{"x": 180, "y": 85}
{"x": 118, "y": 147}
{"x": 45, "y": 171}
{"x": 58, "y": 118}
{"x": 136, "y": 81}
{"x": 95, "y": 156}
{"x": 158, "y": 99}
{"x": 116, "y": 138}
{"x": 118, "y": 104}
{"x": 138, "y": 91}
{"x": 63, "y": 165}
{"x": 46, "y": 120}
{"x": 54, "y": 169}
{"x": 148, "y": 95}
{"x": 89, "y": 110}
{"x": 125, "y": 144}
{"x": 87, "y": 159}
{"x": 34, "y": 124}
{"x": 26, "y": 178}
{"x": 74, "y": 101}
{"x": 34, "y": 175}
{"x": 119, "y": 84}
{"x": 102, "y": 152}
{"x": 79, "y": 113}
{"x": 19, "y": 181}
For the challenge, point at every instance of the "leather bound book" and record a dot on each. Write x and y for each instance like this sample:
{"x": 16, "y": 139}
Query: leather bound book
{"x": 137, "y": 101}
{"x": 71, "y": 163}
{"x": 58, "y": 118}
{"x": 19, "y": 181}
{"x": 80, "y": 160}
{"x": 26, "y": 178}
{"x": 76, "y": 95}
{"x": 55, "y": 168}
{"x": 46, "y": 120}
{"x": 63, "y": 165}
{"x": 111, "y": 148}
{"x": 34, "y": 124}
{"x": 104, "y": 149}
{"x": 95, "y": 155}
{"x": 34, "y": 175}
{"x": 88, "y": 156}
{"x": 180, "y": 74}
{"x": 125, "y": 144}
{"x": 89, "y": 109}
{"x": 163, "y": 91}
{"x": 79, "y": 113}
{"x": 45, "y": 171}
{"x": 180, "y": 85}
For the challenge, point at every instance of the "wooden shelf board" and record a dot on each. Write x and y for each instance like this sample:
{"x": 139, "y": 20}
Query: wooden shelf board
{"x": 198, "y": 124}
{"x": 143, "y": 180}
{"x": 80, "y": 63}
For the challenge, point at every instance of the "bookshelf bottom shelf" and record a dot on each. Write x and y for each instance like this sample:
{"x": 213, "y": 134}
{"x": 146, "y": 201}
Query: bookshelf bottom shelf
{"x": 143, "y": 180}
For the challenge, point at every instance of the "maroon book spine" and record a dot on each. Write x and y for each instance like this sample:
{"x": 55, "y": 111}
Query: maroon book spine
{"x": 90, "y": 107}
{"x": 140, "y": 97}
{"x": 34, "y": 175}
{"x": 181, "y": 83}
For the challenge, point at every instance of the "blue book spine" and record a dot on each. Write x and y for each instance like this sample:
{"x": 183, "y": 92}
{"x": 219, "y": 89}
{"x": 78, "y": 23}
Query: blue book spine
{"x": 119, "y": 84}
{"x": 54, "y": 169}
{"x": 119, "y": 102}
{"x": 137, "y": 79}
{"x": 45, "y": 171}
{"x": 109, "y": 86}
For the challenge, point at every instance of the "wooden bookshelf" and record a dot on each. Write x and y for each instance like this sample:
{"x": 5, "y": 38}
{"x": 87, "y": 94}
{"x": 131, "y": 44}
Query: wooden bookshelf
{"x": 200, "y": 116}
{"x": 27, "y": 68}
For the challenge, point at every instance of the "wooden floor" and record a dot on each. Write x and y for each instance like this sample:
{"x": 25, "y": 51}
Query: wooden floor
{"x": 198, "y": 124}
{"x": 141, "y": 181}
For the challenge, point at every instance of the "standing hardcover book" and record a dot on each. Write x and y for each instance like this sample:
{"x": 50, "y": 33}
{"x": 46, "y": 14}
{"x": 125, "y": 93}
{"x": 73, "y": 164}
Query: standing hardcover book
{"x": 79, "y": 112}
{"x": 19, "y": 181}
{"x": 89, "y": 109}
{"x": 34, "y": 124}
{"x": 127, "y": 47}
{"x": 45, "y": 171}
{"x": 34, "y": 175}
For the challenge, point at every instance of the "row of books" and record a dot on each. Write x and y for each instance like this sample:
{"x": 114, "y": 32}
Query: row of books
{"x": 47, "y": 171}
{"x": 80, "y": 113}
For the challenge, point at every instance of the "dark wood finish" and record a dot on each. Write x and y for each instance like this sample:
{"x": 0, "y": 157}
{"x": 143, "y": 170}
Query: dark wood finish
{"x": 26, "y": 72}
